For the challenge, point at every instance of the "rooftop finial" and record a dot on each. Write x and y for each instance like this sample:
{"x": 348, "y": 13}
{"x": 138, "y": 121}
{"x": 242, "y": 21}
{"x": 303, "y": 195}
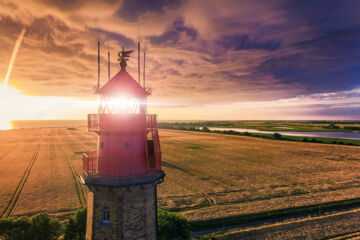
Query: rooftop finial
{"x": 123, "y": 57}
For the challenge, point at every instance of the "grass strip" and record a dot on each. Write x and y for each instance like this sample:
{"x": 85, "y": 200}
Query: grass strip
{"x": 287, "y": 212}
{"x": 79, "y": 190}
{"x": 78, "y": 186}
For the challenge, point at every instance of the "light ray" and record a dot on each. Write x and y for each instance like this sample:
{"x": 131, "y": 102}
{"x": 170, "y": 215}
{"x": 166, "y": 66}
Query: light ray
{"x": 13, "y": 56}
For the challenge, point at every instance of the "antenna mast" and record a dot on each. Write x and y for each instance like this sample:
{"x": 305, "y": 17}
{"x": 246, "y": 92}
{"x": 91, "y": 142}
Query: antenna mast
{"x": 98, "y": 84}
{"x": 139, "y": 62}
{"x": 108, "y": 63}
{"x": 144, "y": 71}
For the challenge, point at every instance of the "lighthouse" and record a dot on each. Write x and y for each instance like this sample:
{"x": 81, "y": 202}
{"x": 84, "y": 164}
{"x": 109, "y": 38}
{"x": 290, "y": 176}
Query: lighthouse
{"x": 123, "y": 173}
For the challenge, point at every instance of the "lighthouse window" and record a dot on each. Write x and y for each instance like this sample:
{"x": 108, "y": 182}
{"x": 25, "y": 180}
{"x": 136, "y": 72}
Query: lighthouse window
{"x": 105, "y": 215}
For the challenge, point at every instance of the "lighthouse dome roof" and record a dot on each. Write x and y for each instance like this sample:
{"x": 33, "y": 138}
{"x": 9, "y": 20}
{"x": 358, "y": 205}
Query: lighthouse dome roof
{"x": 122, "y": 84}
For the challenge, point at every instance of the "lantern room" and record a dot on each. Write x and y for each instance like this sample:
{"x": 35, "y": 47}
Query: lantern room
{"x": 128, "y": 141}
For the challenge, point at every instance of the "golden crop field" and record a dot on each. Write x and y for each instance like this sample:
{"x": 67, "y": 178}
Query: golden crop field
{"x": 212, "y": 175}
{"x": 207, "y": 175}
{"x": 336, "y": 226}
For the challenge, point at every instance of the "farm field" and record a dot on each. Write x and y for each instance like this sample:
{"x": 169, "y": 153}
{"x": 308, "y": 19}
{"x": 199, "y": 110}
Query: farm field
{"x": 207, "y": 175}
{"x": 35, "y": 173}
{"x": 220, "y": 175}
{"x": 335, "y": 226}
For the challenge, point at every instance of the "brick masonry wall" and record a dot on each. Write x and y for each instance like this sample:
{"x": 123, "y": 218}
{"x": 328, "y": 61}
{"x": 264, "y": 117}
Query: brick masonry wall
{"x": 132, "y": 212}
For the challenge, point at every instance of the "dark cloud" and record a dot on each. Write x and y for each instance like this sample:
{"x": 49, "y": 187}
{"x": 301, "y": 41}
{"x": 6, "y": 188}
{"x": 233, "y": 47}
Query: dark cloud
{"x": 174, "y": 33}
{"x": 44, "y": 33}
{"x": 45, "y": 28}
{"x": 322, "y": 15}
{"x": 338, "y": 110}
{"x": 243, "y": 42}
{"x": 9, "y": 5}
{"x": 73, "y": 5}
{"x": 172, "y": 71}
{"x": 179, "y": 62}
{"x": 10, "y": 27}
{"x": 229, "y": 76}
{"x": 65, "y": 5}
{"x": 327, "y": 63}
{"x": 121, "y": 39}
{"x": 336, "y": 43}
{"x": 63, "y": 49}
{"x": 131, "y": 10}
{"x": 194, "y": 75}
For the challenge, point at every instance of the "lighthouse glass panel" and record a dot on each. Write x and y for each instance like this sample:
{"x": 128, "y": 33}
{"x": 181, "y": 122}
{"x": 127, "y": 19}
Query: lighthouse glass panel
{"x": 120, "y": 104}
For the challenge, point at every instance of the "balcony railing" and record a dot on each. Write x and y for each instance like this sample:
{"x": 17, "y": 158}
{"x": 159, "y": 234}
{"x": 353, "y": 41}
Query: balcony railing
{"x": 91, "y": 168}
{"x": 151, "y": 121}
{"x": 94, "y": 121}
{"x": 90, "y": 163}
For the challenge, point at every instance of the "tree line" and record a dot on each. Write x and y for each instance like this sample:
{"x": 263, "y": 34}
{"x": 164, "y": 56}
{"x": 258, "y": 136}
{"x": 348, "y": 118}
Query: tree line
{"x": 43, "y": 227}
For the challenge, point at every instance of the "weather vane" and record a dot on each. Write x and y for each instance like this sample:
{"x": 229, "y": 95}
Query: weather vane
{"x": 123, "y": 57}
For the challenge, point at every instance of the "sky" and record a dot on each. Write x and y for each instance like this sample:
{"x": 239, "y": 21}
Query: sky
{"x": 206, "y": 59}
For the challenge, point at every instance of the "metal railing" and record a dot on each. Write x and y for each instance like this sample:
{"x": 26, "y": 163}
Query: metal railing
{"x": 94, "y": 123}
{"x": 90, "y": 163}
{"x": 151, "y": 121}
{"x": 91, "y": 168}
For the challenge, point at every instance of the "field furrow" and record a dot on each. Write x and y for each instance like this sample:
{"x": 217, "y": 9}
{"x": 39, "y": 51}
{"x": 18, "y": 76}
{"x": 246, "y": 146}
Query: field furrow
{"x": 8, "y": 210}
{"x": 50, "y": 186}
{"x": 15, "y": 165}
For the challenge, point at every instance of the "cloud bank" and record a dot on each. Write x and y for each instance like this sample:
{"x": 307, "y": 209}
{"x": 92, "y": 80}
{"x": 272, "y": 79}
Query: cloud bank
{"x": 199, "y": 52}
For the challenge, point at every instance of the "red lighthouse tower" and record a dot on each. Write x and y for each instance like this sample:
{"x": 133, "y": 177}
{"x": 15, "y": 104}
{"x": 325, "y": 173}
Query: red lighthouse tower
{"x": 122, "y": 175}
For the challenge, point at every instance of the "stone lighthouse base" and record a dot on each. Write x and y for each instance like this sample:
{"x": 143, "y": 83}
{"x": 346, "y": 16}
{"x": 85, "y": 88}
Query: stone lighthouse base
{"x": 122, "y": 210}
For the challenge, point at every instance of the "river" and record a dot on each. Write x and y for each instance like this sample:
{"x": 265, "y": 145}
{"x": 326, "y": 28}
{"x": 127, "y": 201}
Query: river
{"x": 344, "y": 135}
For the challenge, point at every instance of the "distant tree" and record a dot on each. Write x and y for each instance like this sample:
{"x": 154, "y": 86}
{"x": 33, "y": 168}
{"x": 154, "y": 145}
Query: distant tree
{"x": 70, "y": 230}
{"x": 76, "y": 227}
{"x": 172, "y": 226}
{"x": 231, "y": 132}
{"x": 42, "y": 227}
{"x": 37, "y": 227}
{"x": 277, "y": 136}
{"x": 15, "y": 228}
{"x": 332, "y": 126}
{"x": 205, "y": 129}
{"x": 305, "y": 139}
{"x": 351, "y": 128}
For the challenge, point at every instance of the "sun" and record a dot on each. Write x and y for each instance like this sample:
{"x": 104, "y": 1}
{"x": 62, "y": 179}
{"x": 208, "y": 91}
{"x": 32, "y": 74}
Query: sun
{"x": 15, "y": 105}
{"x": 8, "y": 97}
